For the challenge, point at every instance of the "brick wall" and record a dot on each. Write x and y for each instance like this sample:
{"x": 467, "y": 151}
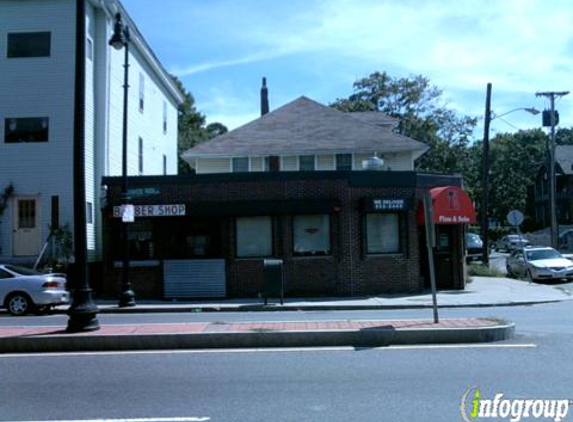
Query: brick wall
{"x": 346, "y": 272}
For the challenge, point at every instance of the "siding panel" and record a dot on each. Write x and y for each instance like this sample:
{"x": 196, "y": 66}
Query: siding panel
{"x": 213, "y": 165}
{"x": 44, "y": 87}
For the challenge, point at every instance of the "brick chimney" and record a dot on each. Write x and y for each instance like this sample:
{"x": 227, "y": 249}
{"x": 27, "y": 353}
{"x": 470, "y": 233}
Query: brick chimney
{"x": 264, "y": 98}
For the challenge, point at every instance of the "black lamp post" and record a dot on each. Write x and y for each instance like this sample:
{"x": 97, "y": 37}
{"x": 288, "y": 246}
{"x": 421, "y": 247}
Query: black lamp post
{"x": 83, "y": 311}
{"x": 120, "y": 39}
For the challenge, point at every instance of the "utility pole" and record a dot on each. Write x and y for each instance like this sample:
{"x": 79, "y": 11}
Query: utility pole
{"x": 485, "y": 178}
{"x": 552, "y": 191}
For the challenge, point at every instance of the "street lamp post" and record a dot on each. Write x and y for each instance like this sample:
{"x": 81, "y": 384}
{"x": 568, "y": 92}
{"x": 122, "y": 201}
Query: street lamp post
{"x": 120, "y": 39}
{"x": 83, "y": 311}
{"x": 489, "y": 116}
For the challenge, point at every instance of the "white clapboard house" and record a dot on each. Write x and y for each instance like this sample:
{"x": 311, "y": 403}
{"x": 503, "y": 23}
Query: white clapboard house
{"x": 39, "y": 44}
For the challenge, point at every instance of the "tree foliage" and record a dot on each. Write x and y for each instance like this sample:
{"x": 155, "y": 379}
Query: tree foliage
{"x": 191, "y": 127}
{"x": 422, "y": 114}
{"x": 515, "y": 160}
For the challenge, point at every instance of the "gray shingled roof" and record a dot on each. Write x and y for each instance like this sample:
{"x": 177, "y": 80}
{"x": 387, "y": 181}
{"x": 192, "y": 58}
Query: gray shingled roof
{"x": 564, "y": 157}
{"x": 304, "y": 126}
{"x": 376, "y": 118}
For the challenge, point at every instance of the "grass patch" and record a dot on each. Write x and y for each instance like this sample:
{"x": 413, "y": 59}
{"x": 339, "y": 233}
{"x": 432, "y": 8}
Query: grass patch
{"x": 480, "y": 270}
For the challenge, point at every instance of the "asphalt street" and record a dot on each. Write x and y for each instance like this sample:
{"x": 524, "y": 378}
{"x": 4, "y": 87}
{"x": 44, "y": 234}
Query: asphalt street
{"x": 395, "y": 383}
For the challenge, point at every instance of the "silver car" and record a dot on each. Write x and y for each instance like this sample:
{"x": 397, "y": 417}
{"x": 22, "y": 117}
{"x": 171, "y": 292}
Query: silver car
{"x": 511, "y": 242}
{"x": 23, "y": 290}
{"x": 539, "y": 263}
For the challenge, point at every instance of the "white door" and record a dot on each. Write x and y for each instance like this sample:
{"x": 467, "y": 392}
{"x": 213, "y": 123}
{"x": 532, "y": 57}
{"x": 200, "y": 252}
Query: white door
{"x": 26, "y": 227}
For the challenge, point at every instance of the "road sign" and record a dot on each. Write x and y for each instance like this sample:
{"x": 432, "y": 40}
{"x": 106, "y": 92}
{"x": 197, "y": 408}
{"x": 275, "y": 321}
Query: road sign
{"x": 515, "y": 217}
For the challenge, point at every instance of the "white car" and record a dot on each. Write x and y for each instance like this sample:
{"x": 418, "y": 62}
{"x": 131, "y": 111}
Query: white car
{"x": 23, "y": 290}
{"x": 539, "y": 263}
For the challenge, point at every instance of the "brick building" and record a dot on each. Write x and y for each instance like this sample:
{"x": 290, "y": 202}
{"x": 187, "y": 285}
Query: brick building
{"x": 296, "y": 185}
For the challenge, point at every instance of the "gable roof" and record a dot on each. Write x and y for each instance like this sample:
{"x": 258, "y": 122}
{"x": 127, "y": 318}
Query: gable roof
{"x": 376, "y": 118}
{"x": 304, "y": 126}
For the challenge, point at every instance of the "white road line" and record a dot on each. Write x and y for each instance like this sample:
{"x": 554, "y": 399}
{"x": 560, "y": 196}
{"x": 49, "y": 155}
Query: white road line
{"x": 181, "y": 419}
{"x": 274, "y": 350}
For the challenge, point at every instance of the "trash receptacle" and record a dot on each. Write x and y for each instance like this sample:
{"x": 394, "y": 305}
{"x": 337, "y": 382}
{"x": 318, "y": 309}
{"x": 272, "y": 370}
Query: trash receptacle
{"x": 273, "y": 279}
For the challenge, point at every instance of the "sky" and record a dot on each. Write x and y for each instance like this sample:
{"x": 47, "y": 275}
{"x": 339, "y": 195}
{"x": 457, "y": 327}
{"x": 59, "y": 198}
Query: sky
{"x": 221, "y": 49}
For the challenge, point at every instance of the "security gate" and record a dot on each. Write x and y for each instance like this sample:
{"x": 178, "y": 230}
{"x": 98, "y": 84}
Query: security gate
{"x": 194, "y": 278}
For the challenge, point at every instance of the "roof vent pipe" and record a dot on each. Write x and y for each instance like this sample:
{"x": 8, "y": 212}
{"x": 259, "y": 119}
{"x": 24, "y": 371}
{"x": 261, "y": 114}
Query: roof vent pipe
{"x": 264, "y": 98}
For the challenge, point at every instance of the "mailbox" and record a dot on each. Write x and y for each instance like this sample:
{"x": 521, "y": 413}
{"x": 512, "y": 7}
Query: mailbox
{"x": 273, "y": 279}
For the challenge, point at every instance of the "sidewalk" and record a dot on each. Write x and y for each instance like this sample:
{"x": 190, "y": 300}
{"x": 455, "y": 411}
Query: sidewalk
{"x": 254, "y": 335}
{"x": 358, "y": 333}
{"x": 481, "y": 292}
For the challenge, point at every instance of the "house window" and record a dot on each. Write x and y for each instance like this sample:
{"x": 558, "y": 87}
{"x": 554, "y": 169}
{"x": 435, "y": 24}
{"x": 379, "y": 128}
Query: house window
{"x": 141, "y": 92}
{"x": 29, "y": 44}
{"x": 26, "y": 129}
{"x": 89, "y": 48}
{"x": 306, "y": 163}
{"x": 254, "y": 237}
{"x": 26, "y": 214}
{"x": 240, "y": 164}
{"x": 343, "y": 161}
{"x": 140, "y": 157}
{"x": 311, "y": 235}
{"x": 164, "y": 117}
{"x": 382, "y": 233}
{"x": 89, "y": 213}
{"x": 164, "y": 164}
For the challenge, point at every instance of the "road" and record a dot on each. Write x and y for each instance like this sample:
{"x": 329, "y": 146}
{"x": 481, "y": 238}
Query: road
{"x": 390, "y": 384}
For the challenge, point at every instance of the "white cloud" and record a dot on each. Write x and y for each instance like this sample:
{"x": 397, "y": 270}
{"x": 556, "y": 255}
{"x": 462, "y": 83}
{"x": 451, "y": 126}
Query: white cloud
{"x": 520, "y": 46}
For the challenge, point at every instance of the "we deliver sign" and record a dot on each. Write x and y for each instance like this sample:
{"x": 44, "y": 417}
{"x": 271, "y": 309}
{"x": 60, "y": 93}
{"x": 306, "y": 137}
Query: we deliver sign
{"x": 139, "y": 211}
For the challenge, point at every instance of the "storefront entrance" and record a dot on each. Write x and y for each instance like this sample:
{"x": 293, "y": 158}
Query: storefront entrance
{"x": 452, "y": 209}
{"x": 444, "y": 256}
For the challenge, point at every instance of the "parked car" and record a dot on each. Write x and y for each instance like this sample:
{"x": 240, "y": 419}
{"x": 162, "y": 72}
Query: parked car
{"x": 539, "y": 263}
{"x": 474, "y": 247}
{"x": 23, "y": 290}
{"x": 511, "y": 242}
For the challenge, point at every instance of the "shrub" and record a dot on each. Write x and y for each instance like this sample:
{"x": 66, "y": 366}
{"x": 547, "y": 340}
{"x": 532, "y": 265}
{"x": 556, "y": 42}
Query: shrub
{"x": 481, "y": 270}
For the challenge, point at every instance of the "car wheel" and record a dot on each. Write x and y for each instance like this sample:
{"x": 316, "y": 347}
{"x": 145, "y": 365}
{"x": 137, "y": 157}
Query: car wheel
{"x": 530, "y": 277}
{"x": 509, "y": 272}
{"x": 19, "y": 304}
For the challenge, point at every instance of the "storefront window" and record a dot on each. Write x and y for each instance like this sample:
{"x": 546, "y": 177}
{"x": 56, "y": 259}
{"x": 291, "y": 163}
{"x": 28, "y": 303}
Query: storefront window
{"x": 254, "y": 237}
{"x": 311, "y": 235}
{"x": 382, "y": 233}
{"x": 141, "y": 246}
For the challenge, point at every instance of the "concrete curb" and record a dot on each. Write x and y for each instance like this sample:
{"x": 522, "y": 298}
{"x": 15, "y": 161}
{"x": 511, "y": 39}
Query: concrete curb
{"x": 377, "y": 337}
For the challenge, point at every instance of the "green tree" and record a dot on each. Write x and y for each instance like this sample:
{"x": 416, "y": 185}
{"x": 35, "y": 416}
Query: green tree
{"x": 191, "y": 127}
{"x": 564, "y": 136}
{"x": 422, "y": 114}
{"x": 515, "y": 162}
